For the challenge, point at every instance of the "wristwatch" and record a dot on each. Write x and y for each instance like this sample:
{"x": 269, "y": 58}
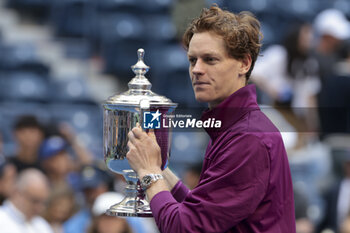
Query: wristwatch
{"x": 149, "y": 179}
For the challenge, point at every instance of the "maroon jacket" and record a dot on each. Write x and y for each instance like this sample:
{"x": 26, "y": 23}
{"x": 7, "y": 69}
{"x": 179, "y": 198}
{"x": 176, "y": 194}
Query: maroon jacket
{"x": 245, "y": 185}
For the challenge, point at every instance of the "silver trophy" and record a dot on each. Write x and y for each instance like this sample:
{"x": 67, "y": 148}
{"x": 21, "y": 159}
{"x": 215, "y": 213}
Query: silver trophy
{"x": 122, "y": 113}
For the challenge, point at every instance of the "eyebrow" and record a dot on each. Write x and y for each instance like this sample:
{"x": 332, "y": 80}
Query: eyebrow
{"x": 204, "y": 54}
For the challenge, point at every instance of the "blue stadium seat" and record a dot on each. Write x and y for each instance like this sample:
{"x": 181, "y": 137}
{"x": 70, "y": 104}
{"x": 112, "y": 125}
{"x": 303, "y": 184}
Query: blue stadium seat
{"x": 36, "y": 9}
{"x": 120, "y": 36}
{"x": 297, "y": 8}
{"x": 159, "y": 28}
{"x": 120, "y": 56}
{"x": 156, "y": 6}
{"x": 72, "y": 90}
{"x": 167, "y": 57}
{"x": 73, "y": 18}
{"x": 120, "y": 26}
{"x": 135, "y": 6}
{"x": 170, "y": 77}
{"x": 237, "y": 6}
{"x": 22, "y": 57}
{"x": 23, "y": 86}
{"x": 118, "y": 5}
{"x": 87, "y": 120}
{"x": 188, "y": 147}
{"x": 80, "y": 48}
{"x": 176, "y": 86}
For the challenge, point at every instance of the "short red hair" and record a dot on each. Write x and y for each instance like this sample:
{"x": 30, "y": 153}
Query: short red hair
{"x": 241, "y": 32}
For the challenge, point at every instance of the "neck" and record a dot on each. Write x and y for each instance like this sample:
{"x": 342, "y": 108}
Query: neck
{"x": 213, "y": 104}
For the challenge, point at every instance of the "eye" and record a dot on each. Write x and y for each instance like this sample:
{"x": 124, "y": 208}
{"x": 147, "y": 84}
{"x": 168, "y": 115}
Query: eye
{"x": 192, "y": 60}
{"x": 210, "y": 59}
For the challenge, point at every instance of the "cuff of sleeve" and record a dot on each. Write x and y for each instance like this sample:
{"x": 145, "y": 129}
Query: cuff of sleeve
{"x": 179, "y": 191}
{"x": 159, "y": 201}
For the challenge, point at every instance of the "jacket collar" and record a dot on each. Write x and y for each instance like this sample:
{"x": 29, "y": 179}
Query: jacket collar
{"x": 231, "y": 109}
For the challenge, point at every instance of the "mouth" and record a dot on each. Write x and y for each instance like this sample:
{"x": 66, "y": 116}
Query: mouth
{"x": 198, "y": 83}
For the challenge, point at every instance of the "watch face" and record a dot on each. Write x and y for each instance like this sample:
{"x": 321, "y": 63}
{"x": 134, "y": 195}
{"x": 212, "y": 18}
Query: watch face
{"x": 147, "y": 180}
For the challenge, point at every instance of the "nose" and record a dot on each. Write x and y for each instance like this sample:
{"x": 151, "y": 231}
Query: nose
{"x": 198, "y": 68}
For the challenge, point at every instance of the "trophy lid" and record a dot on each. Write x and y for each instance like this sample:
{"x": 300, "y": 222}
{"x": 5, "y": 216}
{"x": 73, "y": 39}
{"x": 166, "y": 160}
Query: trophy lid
{"x": 139, "y": 88}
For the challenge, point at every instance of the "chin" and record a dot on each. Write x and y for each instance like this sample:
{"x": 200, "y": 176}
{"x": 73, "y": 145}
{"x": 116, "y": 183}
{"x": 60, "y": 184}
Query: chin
{"x": 203, "y": 99}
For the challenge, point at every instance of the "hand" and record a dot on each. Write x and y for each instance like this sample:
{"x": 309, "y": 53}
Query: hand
{"x": 67, "y": 132}
{"x": 144, "y": 154}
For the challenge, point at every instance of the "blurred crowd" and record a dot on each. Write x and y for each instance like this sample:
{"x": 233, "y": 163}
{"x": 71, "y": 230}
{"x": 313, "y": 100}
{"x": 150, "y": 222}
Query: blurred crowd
{"x": 304, "y": 84}
{"x": 54, "y": 184}
{"x": 52, "y": 180}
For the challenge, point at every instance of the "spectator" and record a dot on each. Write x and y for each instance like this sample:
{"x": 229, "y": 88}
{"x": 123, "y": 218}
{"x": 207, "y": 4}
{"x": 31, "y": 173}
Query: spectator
{"x": 337, "y": 201}
{"x": 345, "y": 227}
{"x": 335, "y": 96}
{"x": 293, "y": 83}
{"x": 102, "y": 223}
{"x": 56, "y": 162}
{"x": 94, "y": 181}
{"x": 61, "y": 206}
{"x": 302, "y": 222}
{"x": 21, "y": 212}
{"x": 331, "y": 28}
{"x": 8, "y": 176}
{"x": 29, "y": 134}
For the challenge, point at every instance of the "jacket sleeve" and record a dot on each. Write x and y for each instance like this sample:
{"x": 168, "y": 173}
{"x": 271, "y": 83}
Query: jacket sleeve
{"x": 231, "y": 188}
{"x": 180, "y": 191}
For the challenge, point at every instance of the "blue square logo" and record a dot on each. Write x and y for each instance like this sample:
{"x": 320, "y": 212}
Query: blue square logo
{"x": 151, "y": 120}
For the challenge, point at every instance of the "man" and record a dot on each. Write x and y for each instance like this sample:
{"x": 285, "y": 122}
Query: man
{"x": 56, "y": 162}
{"x": 94, "y": 181}
{"x": 29, "y": 134}
{"x": 20, "y": 214}
{"x": 333, "y": 30}
{"x": 337, "y": 200}
{"x": 245, "y": 184}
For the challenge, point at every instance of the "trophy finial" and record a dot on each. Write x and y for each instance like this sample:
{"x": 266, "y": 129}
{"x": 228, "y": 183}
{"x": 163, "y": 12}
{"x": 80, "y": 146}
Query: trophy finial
{"x": 140, "y": 68}
{"x": 140, "y": 53}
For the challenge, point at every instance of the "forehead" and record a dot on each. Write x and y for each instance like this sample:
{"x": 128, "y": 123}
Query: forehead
{"x": 37, "y": 191}
{"x": 206, "y": 43}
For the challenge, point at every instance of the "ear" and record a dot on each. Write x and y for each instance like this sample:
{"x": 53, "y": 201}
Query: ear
{"x": 246, "y": 62}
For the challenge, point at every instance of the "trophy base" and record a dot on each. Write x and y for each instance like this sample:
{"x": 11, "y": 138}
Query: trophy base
{"x": 129, "y": 207}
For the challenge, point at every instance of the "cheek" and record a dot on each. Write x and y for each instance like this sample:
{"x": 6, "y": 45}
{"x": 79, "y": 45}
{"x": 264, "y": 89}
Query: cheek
{"x": 190, "y": 74}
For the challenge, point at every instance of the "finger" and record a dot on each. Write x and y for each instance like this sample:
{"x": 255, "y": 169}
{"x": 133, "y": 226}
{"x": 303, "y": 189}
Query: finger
{"x": 138, "y": 125}
{"x": 137, "y": 132}
{"x": 131, "y": 137}
{"x": 130, "y": 145}
{"x": 132, "y": 149}
{"x": 152, "y": 134}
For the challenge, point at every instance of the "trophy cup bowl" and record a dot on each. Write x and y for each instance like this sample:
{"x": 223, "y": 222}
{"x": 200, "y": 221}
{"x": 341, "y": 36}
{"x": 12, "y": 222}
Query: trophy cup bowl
{"x": 122, "y": 113}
